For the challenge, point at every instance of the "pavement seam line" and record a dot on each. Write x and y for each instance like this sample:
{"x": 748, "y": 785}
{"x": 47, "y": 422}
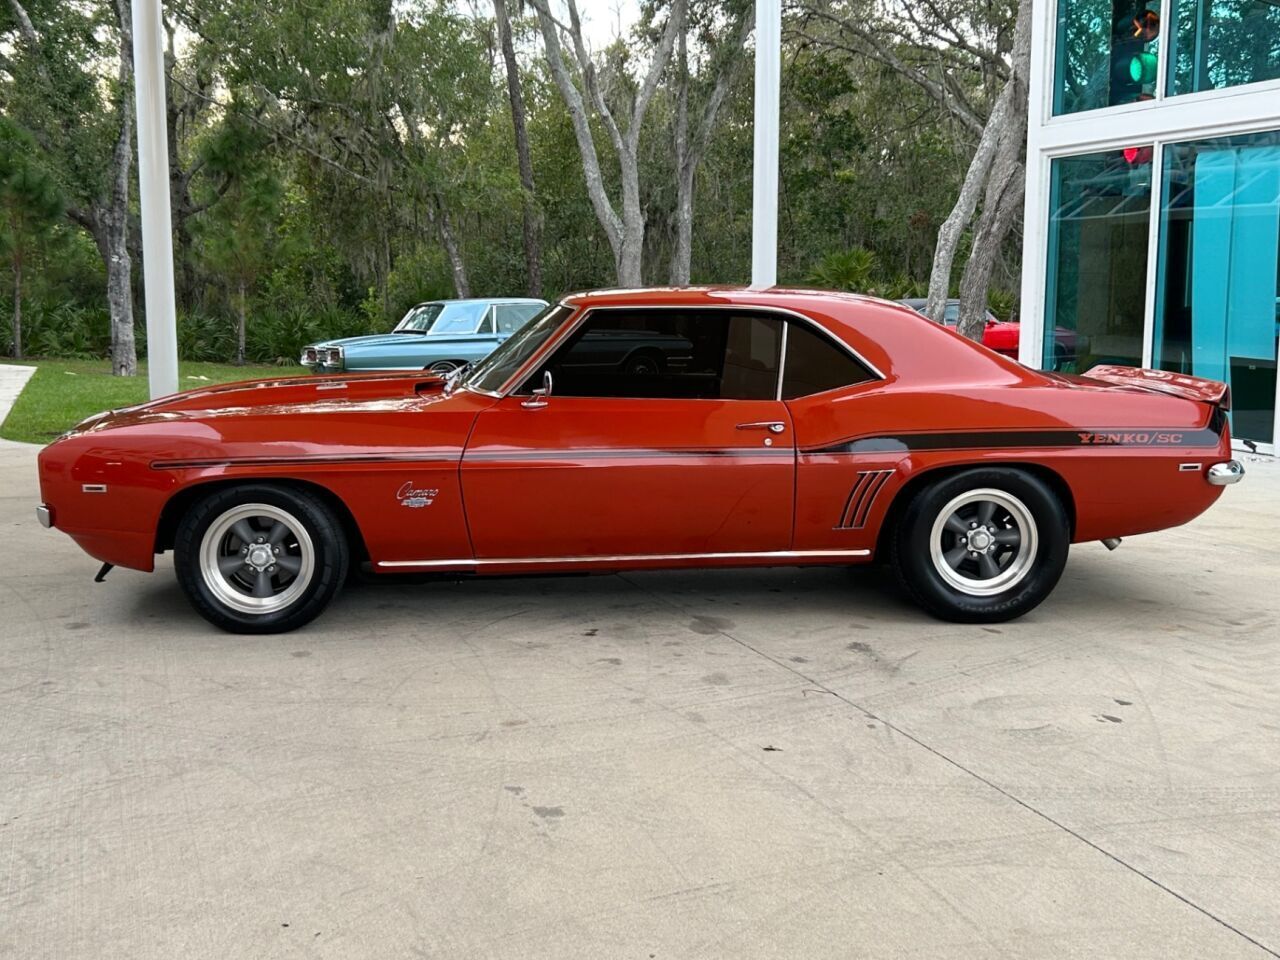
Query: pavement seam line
{"x": 1026, "y": 805}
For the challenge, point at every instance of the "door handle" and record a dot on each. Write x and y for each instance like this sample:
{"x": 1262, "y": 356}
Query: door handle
{"x": 773, "y": 426}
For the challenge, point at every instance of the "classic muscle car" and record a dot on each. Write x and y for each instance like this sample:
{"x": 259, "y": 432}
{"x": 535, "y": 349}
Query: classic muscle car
{"x": 797, "y": 428}
{"x": 439, "y": 336}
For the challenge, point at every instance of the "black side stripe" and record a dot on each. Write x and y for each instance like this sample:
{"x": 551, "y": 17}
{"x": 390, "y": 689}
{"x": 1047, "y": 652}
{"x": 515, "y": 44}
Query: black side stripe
{"x": 300, "y": 461}
{"x": 1005, "y": 439}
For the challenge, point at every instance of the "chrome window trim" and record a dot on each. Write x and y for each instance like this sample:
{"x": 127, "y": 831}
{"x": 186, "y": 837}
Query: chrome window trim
{"x": 584, "y": 312}
{"x": 782, "y": 360}
{"x": 480, "y": 562}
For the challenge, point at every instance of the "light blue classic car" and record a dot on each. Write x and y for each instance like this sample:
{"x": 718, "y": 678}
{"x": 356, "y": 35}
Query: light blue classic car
{"x": 439, "y": 336}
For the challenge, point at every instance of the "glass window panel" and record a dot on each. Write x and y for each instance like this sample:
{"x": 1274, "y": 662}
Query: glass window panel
{"x": 461, "y": 316}
{"x": 1224, "y": 43}
{"x": 1096, "y": 283}
{"x": 669, "y": 354}
{"x": 1106, "y": 53}
{"x": 815, "y": 364}
{"x": 1218, "y": 276}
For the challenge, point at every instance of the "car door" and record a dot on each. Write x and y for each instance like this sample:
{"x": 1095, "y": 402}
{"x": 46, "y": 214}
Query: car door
{"x": 662, "y": 436}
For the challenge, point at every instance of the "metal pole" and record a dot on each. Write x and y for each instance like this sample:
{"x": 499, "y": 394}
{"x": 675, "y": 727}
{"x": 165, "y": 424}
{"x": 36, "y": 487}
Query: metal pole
{"x": 764, "y": 205}
{"x": 153, "y": 193}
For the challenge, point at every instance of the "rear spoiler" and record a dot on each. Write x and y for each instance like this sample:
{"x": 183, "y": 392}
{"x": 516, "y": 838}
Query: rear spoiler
{"x": 1163, "y": 381}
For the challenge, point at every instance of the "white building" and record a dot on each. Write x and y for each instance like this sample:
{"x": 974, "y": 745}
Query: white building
{"x": 1153, "y": 193}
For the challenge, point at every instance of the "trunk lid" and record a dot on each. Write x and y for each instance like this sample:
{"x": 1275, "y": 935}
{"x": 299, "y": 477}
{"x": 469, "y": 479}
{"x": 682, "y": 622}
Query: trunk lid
{"x": 1163, "y": 381}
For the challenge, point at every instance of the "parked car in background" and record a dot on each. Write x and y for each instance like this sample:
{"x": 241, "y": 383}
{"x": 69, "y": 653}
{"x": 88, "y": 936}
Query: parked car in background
{"x": 1003, "y": 336}
{"x": 440, "y": 336}
{"x": 764, "y": 427}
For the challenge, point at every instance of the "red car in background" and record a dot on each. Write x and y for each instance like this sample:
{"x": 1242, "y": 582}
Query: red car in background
{"x": 1003, "y": 336}
{"x": 640, "y": 429}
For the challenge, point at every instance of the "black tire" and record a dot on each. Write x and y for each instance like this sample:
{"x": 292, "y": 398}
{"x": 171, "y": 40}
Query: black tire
{"x": 1030, "y": 559}
{"x": 293, "y": 597}
{"x": 643, "y": 363}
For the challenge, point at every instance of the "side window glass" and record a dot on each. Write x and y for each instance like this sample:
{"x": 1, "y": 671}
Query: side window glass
{"x": 814, "y": 364}
{"x": 511, "y": 316}
{"x": 486, "y": 325}
{"x": 951, "y": 314}
{"x": 688, "y": 354}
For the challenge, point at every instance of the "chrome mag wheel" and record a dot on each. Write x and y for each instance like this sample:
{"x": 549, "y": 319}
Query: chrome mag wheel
{"x": 443, "y": 368}
{"x": 984, "y": 542}
{"x": 257, "y": 558}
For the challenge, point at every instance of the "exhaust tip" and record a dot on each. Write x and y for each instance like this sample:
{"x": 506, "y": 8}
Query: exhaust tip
{"x": 1223, "y": 474}
{"x": 1111, "y": 542}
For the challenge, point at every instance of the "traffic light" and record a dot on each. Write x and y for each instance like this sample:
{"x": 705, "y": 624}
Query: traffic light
{"x": 1142, "y": 68}
{"x": 1135, "y": 26}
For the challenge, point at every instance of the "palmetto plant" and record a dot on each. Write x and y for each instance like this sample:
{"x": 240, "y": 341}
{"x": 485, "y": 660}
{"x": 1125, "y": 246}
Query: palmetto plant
{"x": 853, "y": 270}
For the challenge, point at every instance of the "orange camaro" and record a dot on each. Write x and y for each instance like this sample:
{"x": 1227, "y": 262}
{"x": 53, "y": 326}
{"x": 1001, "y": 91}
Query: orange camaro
{"x": 642, "y": 429}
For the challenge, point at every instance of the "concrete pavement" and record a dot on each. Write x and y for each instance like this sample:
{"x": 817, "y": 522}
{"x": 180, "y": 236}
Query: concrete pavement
{"x": 728, "y": 764}
{"x": 12, "y": 379}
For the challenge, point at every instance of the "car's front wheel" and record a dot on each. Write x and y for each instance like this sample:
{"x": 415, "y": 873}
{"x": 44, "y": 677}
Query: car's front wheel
{"x": 981, "y": 546}
{"x": 260, "y": 558}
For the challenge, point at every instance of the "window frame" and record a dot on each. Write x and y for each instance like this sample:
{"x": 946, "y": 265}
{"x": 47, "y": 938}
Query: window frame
{"x": 521, "y": 383}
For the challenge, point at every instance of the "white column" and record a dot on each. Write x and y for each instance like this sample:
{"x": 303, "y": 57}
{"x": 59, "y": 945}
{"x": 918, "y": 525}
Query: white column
{"x": 1035, "y": 217}
{"x": 153, "y": 193}
{"x": 764, "y": 205}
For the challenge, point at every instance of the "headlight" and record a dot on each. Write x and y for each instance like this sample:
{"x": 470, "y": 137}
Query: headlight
{"x": 308, "y": 356}
{"x": 331, "y": 357}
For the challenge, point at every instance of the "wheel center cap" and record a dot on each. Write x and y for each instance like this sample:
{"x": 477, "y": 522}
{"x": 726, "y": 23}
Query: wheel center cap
{"x": 980, "y": 539}
{"x": 260, "y": 556}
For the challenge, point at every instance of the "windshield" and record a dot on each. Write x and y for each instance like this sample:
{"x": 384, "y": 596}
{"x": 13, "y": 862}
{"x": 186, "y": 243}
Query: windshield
{"x": 420, "y": 318}
{"x": 496, "y": 369}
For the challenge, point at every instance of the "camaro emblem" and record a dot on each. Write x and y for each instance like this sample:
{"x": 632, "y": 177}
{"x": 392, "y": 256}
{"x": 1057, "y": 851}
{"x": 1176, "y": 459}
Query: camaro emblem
{"x": 411, "y": 496}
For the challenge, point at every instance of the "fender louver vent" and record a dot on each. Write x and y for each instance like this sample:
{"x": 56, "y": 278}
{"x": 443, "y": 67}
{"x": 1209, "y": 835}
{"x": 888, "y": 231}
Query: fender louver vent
{"x": 861, "y": 498}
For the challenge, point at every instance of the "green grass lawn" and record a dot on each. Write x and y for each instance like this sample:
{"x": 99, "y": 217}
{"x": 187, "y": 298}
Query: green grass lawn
{"x": 61, "y": 393}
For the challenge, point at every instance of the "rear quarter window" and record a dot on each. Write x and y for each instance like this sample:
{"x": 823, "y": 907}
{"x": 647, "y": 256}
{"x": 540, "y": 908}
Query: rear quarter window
{"x": 815, "y": 363}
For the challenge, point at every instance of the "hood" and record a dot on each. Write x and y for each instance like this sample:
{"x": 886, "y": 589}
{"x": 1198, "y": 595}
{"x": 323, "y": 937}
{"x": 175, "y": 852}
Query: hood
{"x": 371, "y": 340}
{"x": 287, "y": 396}
{"x": 375, "y": 341}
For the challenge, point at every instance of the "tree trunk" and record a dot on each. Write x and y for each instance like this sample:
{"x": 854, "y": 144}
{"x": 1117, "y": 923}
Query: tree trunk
{"x": 1006, "y": 185}
{"x": 626, "y": 232}
{"x": 1010, "y": 107}
{"x": 115, "y": 254}
{"x": 17, "y": 305}
{"x": 532, "y": 231}
{"x": 682, "y": 255}
{"x": 440, "y": 217}
{"x": 240, "y": 325}
{"x": 114, "y": 245}
{"x": 997, "y": 218}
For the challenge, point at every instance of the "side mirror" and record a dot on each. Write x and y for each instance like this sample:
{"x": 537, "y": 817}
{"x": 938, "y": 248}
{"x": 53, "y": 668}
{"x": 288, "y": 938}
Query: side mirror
{"x": 542, "y": 394}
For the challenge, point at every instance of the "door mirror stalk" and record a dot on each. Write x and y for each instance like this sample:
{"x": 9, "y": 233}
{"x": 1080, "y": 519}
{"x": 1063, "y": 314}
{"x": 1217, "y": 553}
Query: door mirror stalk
{"x": 541, "y": 395}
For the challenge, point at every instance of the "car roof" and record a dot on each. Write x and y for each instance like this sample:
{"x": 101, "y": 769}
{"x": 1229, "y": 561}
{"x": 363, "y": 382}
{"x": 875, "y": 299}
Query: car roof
{"x": 482, "y": 300}
{"x": 892, "y": 337}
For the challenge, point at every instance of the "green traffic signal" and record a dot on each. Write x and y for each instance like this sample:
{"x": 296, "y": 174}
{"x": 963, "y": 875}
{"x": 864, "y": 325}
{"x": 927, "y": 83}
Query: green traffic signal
{"x": 1142, "y": 68}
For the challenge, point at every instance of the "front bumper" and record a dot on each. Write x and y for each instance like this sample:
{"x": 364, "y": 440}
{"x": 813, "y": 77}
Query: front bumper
{"x": 323, "y": 359}
{"x": 1225, "y": 473}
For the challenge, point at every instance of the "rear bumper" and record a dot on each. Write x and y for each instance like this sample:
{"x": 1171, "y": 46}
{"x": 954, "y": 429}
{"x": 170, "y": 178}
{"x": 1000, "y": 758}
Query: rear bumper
{"x": 1225, "y": 473}
{"x": 45, "y": 516}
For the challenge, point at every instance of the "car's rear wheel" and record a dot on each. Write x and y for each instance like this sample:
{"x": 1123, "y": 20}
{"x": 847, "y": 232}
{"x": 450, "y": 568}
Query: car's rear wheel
{"x": 984, "y": 545}
{"x": 260, "y": 558}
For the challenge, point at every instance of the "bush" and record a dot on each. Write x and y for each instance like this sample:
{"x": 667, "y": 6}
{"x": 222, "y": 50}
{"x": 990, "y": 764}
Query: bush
{"x": 62, "y": 330}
